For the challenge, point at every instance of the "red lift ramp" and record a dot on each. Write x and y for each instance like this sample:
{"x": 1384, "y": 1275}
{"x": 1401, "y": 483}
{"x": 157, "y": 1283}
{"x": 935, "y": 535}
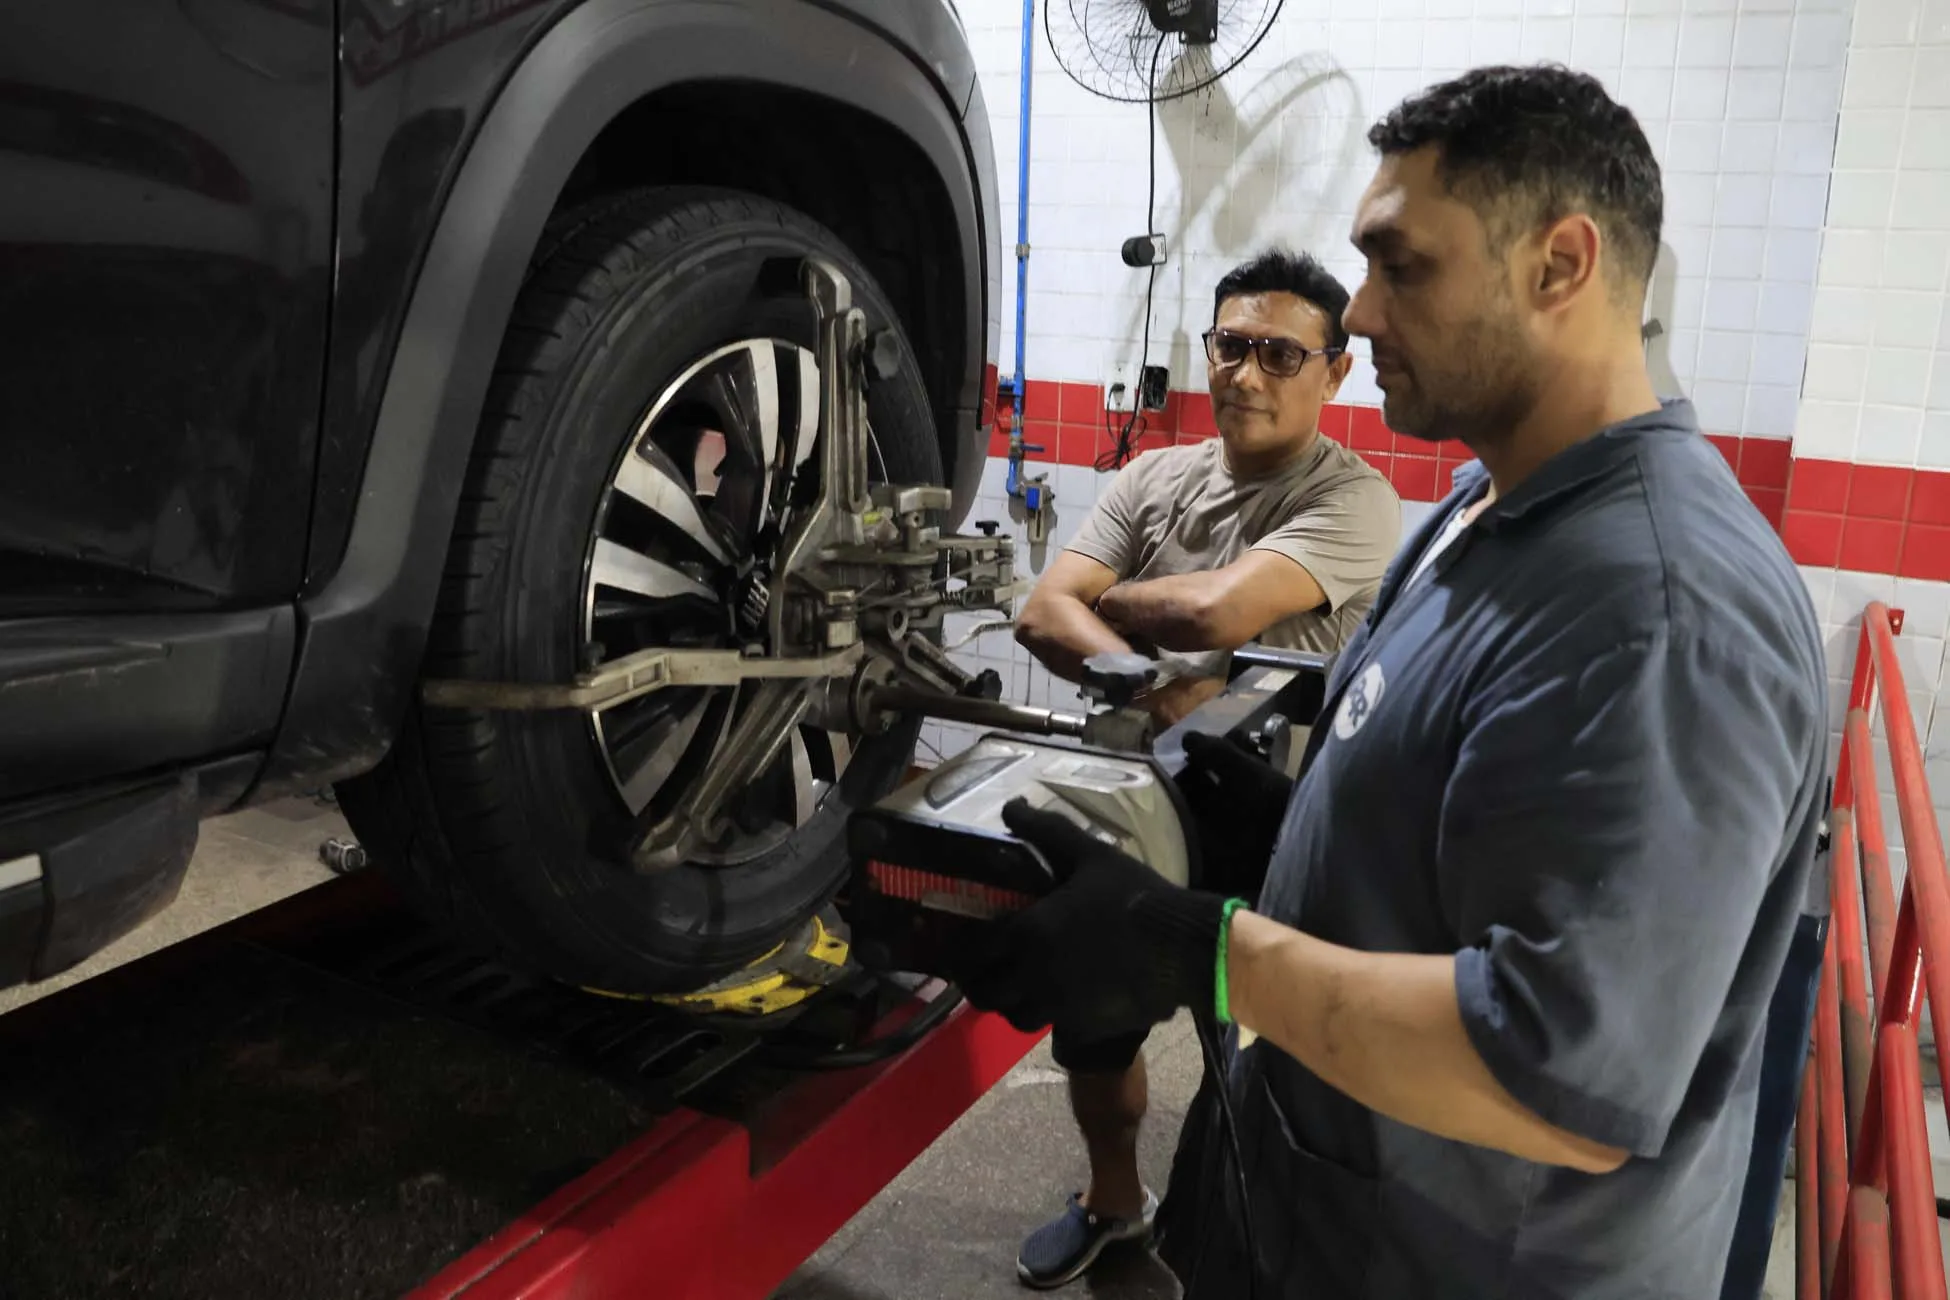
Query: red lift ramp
{"x": 707, "y": 1209}
{"x": 326, "y": 1099}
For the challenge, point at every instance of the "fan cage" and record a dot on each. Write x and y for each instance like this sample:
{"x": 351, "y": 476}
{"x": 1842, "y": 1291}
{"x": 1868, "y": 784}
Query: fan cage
{"x": 1117, "y": 49}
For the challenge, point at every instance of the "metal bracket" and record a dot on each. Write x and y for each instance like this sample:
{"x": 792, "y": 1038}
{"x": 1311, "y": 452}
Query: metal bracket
{"x": 634, "y": 675}
{"x": 837, "y": 517}
{"x": 775, "y": 708}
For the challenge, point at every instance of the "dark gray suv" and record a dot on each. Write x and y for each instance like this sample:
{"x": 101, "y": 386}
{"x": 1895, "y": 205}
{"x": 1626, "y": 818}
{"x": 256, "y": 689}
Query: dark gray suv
{"x": 354, "y": 344}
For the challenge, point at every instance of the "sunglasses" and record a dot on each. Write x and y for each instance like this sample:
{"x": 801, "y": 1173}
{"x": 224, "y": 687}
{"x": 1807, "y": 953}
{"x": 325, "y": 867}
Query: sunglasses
{"x": 1280, "y": 358}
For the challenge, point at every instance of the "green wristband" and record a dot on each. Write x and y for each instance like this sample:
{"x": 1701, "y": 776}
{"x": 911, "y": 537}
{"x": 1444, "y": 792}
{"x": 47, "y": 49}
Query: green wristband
{"x": 1221, "y": 994}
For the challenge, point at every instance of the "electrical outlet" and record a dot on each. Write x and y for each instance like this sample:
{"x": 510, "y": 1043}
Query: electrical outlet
{"x": 1154, "y": 384}
{"x": 1120, "y": 387}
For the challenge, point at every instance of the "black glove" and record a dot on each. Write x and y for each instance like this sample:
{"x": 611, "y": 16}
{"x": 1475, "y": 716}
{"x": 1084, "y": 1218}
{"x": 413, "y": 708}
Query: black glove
{"x": 1238, "y": 801}
{"x": 1113, "y": 949}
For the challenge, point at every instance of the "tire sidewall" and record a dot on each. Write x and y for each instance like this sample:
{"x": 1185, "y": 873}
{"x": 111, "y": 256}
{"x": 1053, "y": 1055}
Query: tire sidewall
{"x": 670, "y": 307}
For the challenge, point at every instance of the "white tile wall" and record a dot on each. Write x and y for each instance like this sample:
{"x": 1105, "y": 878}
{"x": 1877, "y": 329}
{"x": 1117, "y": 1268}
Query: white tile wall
{"x": 1878, "y": 381}
{"x": 1806, "y": 148}
{"x": 1872, "y": 391}
{"x": 1739, "y": 98}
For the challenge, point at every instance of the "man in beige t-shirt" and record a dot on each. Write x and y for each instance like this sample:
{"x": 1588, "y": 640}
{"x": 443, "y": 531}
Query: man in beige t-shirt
{"x": 1183, "y": 511}
{"x": 1270, "y": 532}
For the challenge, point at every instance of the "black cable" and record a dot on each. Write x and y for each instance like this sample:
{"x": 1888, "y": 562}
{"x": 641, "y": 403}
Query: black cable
{"x": 1124, "y": 441}
{"x": 1208, "y": 1041}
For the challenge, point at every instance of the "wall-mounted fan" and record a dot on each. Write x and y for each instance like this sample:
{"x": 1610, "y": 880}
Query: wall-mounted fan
{"x": 1122, "y": 49}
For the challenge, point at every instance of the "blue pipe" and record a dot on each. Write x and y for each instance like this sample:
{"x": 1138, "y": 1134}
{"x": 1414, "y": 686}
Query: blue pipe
{"x": 1022, "y": 201}
{"x": 1033, "y": 491}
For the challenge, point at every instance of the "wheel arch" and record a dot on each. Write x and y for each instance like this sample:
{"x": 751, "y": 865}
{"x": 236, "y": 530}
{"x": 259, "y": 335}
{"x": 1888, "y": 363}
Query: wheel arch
{"x": 563, "y": 117}
{"x": 852, "y": 171}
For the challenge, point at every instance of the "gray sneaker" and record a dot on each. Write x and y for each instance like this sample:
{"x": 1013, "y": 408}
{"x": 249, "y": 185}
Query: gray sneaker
{"x": 1062, "y": 1250}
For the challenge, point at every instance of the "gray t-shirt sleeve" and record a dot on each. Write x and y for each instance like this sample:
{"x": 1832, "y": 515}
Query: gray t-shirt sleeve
{"x": 1345, "y": 538}
{"x": 1111, "y": 532}
{"x": 1610, "y": 828}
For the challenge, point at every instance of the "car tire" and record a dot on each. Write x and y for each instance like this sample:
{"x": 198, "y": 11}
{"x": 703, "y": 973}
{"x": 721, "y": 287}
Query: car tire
{"x": 502, "y": 825}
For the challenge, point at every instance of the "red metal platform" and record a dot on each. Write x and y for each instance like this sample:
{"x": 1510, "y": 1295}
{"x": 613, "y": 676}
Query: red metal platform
{"x": 706, "y": 1209}
{"x": 327, "y": 1101}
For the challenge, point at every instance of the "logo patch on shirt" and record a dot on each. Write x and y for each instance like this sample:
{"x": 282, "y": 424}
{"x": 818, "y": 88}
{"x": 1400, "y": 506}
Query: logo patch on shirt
{"x": 1362, "y": 698}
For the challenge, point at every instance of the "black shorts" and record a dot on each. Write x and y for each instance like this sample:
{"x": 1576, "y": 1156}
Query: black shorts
{"x": 1098, "y": 1055}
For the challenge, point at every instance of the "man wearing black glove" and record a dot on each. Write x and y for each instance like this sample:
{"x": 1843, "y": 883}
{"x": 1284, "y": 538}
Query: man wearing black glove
{"x": 1499, "y": 1001}
{"x": 1237, "y": 801}
{"x": 1116, "y": 948}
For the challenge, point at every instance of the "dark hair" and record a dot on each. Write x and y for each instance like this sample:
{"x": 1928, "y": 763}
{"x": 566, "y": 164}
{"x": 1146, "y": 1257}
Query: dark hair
{"x": 1278, "y": 271}
{"x": 1526, "y": 146}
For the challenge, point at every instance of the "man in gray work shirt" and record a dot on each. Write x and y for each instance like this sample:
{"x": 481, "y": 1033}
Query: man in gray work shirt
{"x": 1499, "y": 1002}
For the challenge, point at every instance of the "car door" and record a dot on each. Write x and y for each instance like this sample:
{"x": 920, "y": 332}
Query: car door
{"x": 165, "y": 270}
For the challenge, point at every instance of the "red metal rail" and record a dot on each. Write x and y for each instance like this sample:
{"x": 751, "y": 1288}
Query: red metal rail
{"x": 704, "y": 1209}
{"x": 1865, "y": 1203}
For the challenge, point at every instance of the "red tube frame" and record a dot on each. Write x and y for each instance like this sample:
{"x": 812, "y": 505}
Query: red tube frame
{"x": 1861, "y": 1122}
{"x": 1807, "y": 1204}
{"x": 1912, "y": 1199}
{"x": 1868, "y": 1226}
{"x": 1858, "y": 1031}
{"x": 1833, "y": 1131}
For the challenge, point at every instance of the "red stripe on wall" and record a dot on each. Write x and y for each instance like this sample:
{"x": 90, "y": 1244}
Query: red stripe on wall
{"x": 1876, "y": 518}
{"x": 1873, "y": 518}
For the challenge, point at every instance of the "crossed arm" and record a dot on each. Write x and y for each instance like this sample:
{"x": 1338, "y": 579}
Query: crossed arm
{"x": 1080, "y": 608}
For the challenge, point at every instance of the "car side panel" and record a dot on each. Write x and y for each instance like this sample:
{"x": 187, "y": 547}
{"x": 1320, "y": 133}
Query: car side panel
{"x": 981, "y": 144}
{"x": 415, "y": 375}
{"x": 165, "y": 270}
{"x": 418, "y": 78}
{"x": 927, "y": 27}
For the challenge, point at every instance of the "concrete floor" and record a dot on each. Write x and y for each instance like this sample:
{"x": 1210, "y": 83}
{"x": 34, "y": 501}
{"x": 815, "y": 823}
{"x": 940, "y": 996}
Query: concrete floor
{"x": 243, "y": 862}
{"x": 946, "y": 1229}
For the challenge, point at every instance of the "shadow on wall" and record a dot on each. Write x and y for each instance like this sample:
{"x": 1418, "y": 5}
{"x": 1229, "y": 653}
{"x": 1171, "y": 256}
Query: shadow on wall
{"x": 1301, "y": 122}
{"x": 1657, "y": 330}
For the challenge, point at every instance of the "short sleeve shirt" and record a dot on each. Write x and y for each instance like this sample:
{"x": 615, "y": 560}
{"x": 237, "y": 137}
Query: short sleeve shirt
{"x": 1180, "y": 510}
{"x": 1585, "y": 754}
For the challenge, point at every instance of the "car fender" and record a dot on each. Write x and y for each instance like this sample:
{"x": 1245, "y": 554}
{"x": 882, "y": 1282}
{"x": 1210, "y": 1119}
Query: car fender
{"x": 363, "y": 632}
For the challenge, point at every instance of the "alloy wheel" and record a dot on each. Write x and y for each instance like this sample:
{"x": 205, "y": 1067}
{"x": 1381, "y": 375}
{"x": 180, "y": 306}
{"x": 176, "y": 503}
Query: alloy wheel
{"x": 680, "y": 557}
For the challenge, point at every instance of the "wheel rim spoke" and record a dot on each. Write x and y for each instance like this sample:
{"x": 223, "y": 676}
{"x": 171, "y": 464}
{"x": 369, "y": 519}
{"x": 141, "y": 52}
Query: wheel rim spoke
{"x": 650, "y": 478}
{"x": 805, "y": 795}
{"x": 805, "y": 434}
{"x": 764, "y": 380}
{"x": 645, "y": 762}
{"x": 620, "y": 567}
{"x": 840, "y": 745}
{"x": 676, "y": 540}
{"x": 742, "y": 386}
